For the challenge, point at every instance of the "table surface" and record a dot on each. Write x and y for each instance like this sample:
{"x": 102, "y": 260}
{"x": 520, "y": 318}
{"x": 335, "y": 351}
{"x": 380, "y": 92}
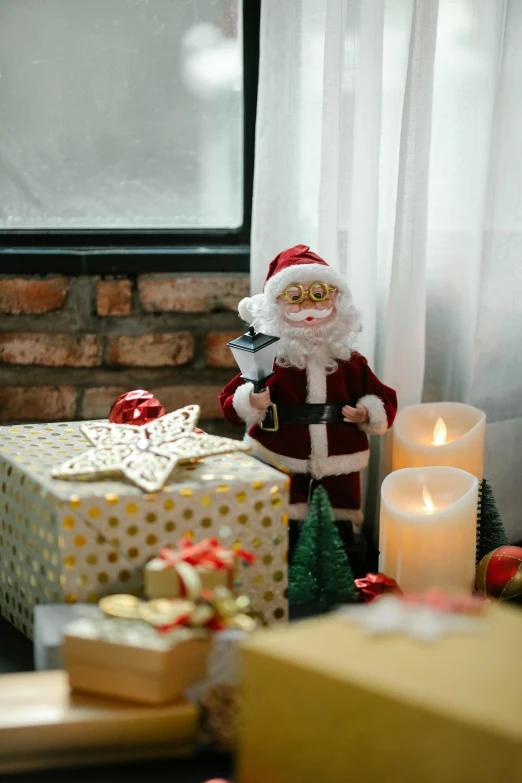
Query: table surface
{"x": 16, "y": 655}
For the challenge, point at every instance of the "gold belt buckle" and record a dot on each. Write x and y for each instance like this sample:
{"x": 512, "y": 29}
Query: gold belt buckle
{"x": 275, "y": 415}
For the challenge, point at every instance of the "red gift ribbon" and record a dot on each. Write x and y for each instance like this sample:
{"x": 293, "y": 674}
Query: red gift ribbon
{"x": 374, "y": 585}
{"x": 214, "y": 624}
{"x": 207, "y": 554}
{"x": 181, "y": 622}
{"x": 216, "y": 621}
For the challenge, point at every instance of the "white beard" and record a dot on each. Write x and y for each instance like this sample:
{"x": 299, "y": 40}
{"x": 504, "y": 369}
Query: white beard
{"x": 328, "y": 342}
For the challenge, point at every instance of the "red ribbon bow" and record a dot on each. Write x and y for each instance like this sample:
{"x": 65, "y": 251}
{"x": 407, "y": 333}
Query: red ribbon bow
{"x": 374, "y": 585}
{"x": 207, "y": 554}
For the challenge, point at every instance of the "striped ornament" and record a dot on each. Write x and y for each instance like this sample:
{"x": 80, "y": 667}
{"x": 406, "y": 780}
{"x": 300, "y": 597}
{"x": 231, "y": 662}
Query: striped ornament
{"x": 499, "y": 574}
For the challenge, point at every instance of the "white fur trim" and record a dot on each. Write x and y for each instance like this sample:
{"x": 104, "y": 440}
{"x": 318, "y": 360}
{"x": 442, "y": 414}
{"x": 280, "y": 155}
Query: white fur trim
{"x": 316, "y": 381}
{"x": 339, "y": 465}
{"x": 249, "y": 307}
{"x": 355, "y": 516}
{"x": 318, "y": 442}
{"x": 243, "y": 309}
{"x": 241, "y": 403}
{"x": 320, "y": 464}
{"x": 307, "y": 272}
{"x": 279, "y": 461}
{"x": 378, "y": 423}
{"x": 316, "y": 393}
{"x": 287, "y": 464}
{"x": 299, "y": 511}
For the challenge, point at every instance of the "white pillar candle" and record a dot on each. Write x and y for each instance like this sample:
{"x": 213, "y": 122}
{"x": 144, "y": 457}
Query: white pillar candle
{"x": 428, "y": 528}
{"x": 440, "y": 433}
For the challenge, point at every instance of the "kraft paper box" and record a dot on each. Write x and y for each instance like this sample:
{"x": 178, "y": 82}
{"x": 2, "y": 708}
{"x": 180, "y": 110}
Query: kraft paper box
{"x": 67, "y": 541}
{"x": 162, "y": 581}
{"x": 323, "y": 701}
{"x": 131, "y": 660}
{"x": 43, "y": 725}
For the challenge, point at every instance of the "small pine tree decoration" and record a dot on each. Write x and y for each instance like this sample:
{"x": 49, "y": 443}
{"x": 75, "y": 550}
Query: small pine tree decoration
{"x": 320, "y": 571}
{"x": 490, "y": 530}
{"x": 302, "y": 576}
{"x": 335, "y": 576}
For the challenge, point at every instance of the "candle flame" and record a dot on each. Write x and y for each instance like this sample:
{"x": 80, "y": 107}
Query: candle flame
{"x": 429, "y": 505}
{"x": 440, "y": 432}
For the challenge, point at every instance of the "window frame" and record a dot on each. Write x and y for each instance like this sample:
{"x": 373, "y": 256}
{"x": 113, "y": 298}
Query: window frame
{"x": 135, "y": 251}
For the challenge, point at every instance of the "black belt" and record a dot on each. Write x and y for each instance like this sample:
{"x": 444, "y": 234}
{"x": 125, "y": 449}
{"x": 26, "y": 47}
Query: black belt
{"x": 311, "y": 413}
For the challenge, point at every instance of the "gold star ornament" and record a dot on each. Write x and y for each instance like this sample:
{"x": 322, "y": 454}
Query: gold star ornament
{"x": 145, "y": 455}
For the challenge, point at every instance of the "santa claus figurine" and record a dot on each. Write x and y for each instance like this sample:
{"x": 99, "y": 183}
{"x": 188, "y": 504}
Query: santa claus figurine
{"x": 328, "y": 400}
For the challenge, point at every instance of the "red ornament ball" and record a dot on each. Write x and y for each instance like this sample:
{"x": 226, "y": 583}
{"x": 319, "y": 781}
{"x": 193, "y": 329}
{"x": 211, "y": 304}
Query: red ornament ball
{"x": 136, "y": 407}
{"x": 499, "y": 574}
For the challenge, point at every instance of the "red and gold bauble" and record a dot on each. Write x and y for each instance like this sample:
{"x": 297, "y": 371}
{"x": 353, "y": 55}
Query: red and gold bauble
{"x": 136, "y": 407}
{"x": 499, "y": 574}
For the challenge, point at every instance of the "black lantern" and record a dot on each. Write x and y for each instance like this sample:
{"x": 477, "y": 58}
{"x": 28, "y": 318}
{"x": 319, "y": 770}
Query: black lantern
{"x": 255, "y": 353}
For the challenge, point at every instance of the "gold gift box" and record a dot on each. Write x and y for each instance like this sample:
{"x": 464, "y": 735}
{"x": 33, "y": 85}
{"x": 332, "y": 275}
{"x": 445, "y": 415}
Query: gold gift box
{"x": 162, "y": 581}
{"x": 72, "y": 541}
{"x": 323, "y": 701}
{"x": 43, "y": 725}
{"x": 134, "y": 673}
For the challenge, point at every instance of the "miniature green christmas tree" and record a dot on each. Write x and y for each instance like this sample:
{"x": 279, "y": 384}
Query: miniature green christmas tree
{"x": 490, "y": 530}
{"x": 320, "y": 571}
{"x": 302, "y": 578}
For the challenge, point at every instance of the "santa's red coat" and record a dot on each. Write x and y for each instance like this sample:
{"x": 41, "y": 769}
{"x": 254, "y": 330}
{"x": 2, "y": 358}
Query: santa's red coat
{"x": 320, "y": 451}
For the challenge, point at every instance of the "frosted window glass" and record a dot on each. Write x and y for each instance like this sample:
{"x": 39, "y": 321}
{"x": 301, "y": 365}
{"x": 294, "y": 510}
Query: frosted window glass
{"x": 121, "y": 114}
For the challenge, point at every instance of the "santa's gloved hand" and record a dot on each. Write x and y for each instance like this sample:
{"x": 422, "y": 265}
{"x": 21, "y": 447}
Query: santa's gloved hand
{"x": 260, "y": 400}
{"x": 357, "y": 415}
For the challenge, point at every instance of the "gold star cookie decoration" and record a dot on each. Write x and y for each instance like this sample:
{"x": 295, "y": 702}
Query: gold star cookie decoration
{"x": 145, "y": 455}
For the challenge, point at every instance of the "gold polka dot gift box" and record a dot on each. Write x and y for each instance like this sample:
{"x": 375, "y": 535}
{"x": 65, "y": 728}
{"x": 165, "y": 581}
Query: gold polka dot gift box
{"x": 76, "y": 541}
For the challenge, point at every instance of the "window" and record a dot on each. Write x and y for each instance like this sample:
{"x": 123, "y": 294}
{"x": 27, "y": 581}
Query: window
{"x": 127, "y": 133}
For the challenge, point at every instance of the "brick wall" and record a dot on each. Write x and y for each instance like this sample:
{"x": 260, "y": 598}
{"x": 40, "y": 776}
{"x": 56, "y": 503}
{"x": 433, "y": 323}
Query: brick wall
{"x": 70, "y": 346}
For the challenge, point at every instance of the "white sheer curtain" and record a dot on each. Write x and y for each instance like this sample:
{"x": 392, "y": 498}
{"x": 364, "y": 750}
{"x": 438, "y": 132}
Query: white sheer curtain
{"x": 389, "y": 139}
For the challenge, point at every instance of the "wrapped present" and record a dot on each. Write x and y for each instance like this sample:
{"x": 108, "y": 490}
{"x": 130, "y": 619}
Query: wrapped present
{"x": 191, "y": 568}
{"x": 131, "y": 662}
{"x": 148, "y": 651}
{"x": 76, "y": 541}
{"x": 388, "y": 691}
{"x": 43, "y": 725}
{"x": 50, "y": 621}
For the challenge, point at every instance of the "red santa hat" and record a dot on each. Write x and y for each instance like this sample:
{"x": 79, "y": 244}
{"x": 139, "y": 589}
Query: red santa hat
{"x": 296, "y": 265}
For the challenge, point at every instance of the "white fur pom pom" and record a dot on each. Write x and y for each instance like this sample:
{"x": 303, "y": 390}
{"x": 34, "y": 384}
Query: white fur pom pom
{"x": 244, "y": 309}
{"x": 250, "y": 307}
